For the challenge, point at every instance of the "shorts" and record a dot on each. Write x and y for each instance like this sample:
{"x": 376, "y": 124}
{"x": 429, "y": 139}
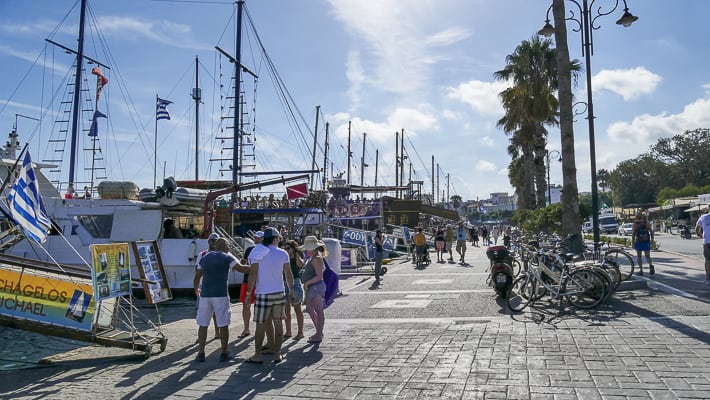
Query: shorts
{"x": 243, "y": 293}
{"x": 421, "y": 249}
{"x": 217, "y": 305}
{"x": 706, "y": 251}
{"x": 268, "y": 304}
{"x": 460, "y": 246}
{"x": 440, "y": 245}
{"x": 642, "y": 246}
{"x": 315, "y": 290}
{"x": 297, "y": 292}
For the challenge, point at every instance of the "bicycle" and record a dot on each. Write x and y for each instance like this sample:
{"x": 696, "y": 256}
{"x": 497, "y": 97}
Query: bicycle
{"x": 616, "y": 254}
{"x": 584, "y": 287}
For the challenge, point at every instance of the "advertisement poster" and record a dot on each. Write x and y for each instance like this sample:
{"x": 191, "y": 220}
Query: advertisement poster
{"x": 150, "y": 267}
{"x": 112, "y": 270}
{"x": 46, "y": 300}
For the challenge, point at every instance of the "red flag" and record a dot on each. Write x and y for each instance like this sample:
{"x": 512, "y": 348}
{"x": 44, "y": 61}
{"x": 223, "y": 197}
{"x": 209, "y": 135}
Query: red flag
{"x": 101, "y": 81}
{"x": 296, "y": 191}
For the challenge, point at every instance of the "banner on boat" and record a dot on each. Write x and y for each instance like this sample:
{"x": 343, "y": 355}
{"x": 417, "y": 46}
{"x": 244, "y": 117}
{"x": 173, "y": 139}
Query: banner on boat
{"x": 367, "y": 239}
{"x": 112, "y": 271}
{"x": 150, "y": 267}
{"x": 46, "y": 300}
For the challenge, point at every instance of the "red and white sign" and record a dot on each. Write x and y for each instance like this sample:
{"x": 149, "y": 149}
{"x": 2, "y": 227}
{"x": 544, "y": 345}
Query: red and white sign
{"x": 297, "y": 191}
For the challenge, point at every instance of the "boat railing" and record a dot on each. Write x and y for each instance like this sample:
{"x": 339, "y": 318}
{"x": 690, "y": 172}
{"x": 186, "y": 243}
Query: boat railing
{"x": 234, "y": 246}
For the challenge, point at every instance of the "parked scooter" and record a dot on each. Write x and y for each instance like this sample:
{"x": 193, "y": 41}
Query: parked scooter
{"x": 685, "y": 232}
{"x": 501, "y": 276}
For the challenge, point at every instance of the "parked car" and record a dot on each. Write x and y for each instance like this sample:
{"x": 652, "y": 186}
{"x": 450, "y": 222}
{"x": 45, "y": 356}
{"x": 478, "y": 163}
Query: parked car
{"x": 626, "y": 229}
{"x": 587, "y": 227}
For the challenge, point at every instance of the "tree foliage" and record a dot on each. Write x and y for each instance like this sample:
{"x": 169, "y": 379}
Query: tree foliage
{"x": 673, "y": 167}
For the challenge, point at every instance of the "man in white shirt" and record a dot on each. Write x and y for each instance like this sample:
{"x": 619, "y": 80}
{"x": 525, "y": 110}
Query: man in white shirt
{"x": 268, "y": 269}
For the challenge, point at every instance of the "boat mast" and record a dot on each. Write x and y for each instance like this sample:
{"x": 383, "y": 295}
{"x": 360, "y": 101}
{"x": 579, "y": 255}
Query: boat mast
{"x": 325, "y": 155}
{"x": 197, "y": 96}
{"x": 350, "y": 153}
{"x": 315, "y": 143}
{"x": 236, "y": 166}
{"x": 77, "y": 93}
{"x": 362, "y": 161}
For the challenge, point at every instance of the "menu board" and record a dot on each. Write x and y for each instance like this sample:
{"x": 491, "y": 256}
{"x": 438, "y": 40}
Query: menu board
{"x": 111, "y": 274}
{"x": 150, "y": 267}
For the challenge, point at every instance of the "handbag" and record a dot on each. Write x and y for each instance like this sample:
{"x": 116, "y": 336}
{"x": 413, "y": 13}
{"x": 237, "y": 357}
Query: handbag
{"x": 331, "y": 285}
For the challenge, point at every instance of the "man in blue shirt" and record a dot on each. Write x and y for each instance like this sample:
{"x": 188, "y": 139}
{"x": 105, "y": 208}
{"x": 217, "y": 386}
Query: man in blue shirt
{"x": 702, "y": 229}
{"x": 461, "y": 233}
{"x": 214, "y": 296}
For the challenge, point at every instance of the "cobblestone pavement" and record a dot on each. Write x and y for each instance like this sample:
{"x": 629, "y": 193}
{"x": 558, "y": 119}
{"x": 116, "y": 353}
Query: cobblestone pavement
{"x": 434, "y": 333}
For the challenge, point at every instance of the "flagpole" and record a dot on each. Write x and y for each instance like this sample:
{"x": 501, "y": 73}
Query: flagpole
{"x": 10, "y": 173}
{"x": 155, "y": 143}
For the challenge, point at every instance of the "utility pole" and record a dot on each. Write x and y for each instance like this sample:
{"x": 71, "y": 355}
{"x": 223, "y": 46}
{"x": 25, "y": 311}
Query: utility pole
{"x": 377, "y": 163}
{"x": 396, "y": 163}
{"x": 433, "y": 180}
{"x": 197, "y": 96}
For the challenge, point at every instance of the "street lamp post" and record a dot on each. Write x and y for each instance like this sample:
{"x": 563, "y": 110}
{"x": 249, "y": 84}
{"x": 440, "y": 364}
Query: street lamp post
{"x": 586, "y": 24}
{"x": 549, "y": 191}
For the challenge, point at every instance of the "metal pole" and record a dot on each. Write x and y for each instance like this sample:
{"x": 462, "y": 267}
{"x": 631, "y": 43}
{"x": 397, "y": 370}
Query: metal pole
{"x": 549, "y": 192}
{"x": 590, "y": 118}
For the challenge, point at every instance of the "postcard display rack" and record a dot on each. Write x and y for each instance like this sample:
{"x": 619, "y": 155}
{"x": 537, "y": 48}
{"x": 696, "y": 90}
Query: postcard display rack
{"x": 117, "y": 318}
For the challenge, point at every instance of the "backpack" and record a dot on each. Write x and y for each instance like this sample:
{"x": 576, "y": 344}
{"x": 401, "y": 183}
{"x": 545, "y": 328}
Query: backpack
{"x": 331, "y": 285}
{"x": 642, "y": 234}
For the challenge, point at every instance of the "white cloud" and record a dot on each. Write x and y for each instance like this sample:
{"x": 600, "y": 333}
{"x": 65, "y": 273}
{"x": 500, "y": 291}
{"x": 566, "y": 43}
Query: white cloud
{"x": 356, "y": 77}
{"x": 629, "y": 83}
{"x": 484, "y": 166}
{"x": 164, "y": 32}
{"x": 487, "y": 141}
{"x": 413, "y": 120}
{"x": 481, "y": 96}
{"x": 646, "y": 129}
{"x": 448, "y": 36}
{"x": 397, "y": 42}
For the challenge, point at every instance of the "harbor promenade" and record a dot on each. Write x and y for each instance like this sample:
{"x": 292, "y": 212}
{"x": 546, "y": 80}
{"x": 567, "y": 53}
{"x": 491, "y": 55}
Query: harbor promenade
{"x": 436, "y": 332}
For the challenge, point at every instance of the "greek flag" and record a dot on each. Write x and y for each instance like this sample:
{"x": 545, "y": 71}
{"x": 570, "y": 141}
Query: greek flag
{"x": 26, "y": 205}
{"x": 161, "y": 111}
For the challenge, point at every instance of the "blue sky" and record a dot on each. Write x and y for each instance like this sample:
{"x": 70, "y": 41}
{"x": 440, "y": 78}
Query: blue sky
{"x": 424, "y": 66}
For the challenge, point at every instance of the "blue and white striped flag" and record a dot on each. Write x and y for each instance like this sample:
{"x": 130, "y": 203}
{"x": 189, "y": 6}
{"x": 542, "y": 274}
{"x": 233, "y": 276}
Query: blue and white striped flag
{"x": 26, "y": 205}
{"x": 161, "y": 111}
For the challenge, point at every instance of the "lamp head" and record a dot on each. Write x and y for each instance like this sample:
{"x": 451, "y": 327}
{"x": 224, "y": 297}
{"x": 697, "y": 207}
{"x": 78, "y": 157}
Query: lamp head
{"x": 627, "y": 19}
{"x": 547, "y": 30}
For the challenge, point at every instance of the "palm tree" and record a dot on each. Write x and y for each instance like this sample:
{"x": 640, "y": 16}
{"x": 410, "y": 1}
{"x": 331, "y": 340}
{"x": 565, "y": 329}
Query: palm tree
{"x": 530, "y": 104}
{"x": 456, "y": 201}
{"x": 570, "y": 195}
{"x": 603, "y": 179}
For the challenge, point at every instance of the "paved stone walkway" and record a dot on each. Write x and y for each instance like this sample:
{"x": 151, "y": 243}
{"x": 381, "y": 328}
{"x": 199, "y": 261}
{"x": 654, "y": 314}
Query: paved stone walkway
{"x": 404, "y": 353}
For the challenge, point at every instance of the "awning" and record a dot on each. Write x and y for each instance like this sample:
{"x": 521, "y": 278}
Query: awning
{"x": 699, "y": 207}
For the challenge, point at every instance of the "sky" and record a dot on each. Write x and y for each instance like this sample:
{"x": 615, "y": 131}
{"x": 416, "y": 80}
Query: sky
{"x": 422, "y": 66}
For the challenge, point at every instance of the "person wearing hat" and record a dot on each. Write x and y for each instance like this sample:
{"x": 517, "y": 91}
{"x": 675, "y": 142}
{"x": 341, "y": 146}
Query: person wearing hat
{"x": 214, "y": 296}
{"x": 211, "y": 241}
{"x": 313, "y": 284}
{"x": 268, "y": 269}
{"x": 702, "y": 229}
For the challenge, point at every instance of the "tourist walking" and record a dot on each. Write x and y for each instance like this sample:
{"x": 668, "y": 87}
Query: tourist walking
{"x": 461, "y": 241}
{"x": 642, "y": 237}
{"x": 439, "y": 242}
{"x": 214, "y": 296}
{"x": 379, "y": 255}
{"x": 474, "y": 236}
{"x": 266, "y": 278}
{"x": 211, "y": 246}
{"x": 495, "y": 233}
{"x": 313, "y": 284}
{"x": 702, "y": 229}
{"x": 450, "y": 235}
{"x": 296, "y": 262}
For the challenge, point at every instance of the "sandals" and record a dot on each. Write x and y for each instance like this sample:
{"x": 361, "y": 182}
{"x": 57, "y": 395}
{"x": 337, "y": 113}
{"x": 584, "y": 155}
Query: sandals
{"x": 253, "y": 361}
{"x": 298, "y": 337}
{"x": 313, "y": 340}
{"x": 286, "y": 336}
{"x": 243, "y": 335}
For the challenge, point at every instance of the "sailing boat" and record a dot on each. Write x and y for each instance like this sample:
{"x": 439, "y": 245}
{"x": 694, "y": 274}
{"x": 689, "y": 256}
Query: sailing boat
{"x": 117, "y": 214}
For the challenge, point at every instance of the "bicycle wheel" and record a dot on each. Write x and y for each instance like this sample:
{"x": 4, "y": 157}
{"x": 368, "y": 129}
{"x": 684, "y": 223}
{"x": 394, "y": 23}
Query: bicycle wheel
{"x": 521, "y": 293}
{"x": 623, "y": 260}
{"x": 516, "y": 266}
{"x": 609, "y": 278}
{"x": 584, "y": 288}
